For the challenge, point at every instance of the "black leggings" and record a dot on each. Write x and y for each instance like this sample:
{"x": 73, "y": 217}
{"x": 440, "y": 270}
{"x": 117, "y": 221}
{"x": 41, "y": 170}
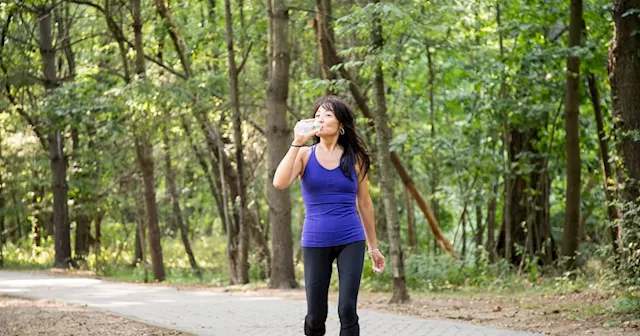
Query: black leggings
{"x": 318, "y": 263}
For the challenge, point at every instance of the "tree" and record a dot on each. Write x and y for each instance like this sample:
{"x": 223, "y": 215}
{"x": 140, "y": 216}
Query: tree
{"x": 570, "y": 237}
{"x": 383, "y": 138}
{"x": 278, "y": 134}
{"x": 144, "y": 154}
{"x": 624, "y": 67}
{"x": 55, "y": 142}
{"x": 238, "y": 245}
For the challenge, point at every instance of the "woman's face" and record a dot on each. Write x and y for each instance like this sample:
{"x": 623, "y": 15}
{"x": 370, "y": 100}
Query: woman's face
{"x": 327, "y": 119}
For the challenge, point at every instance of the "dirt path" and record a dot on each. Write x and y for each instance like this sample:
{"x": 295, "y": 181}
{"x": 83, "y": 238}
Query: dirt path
{"x": 213, "y": 312}
{"x": 24, "y": 317}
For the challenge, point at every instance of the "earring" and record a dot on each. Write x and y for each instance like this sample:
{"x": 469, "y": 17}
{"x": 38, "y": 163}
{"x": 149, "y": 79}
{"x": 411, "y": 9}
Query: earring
{"x": 341, "y": 131}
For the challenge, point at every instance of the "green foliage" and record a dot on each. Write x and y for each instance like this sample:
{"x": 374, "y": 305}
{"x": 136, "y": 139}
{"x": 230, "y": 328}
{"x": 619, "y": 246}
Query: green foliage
{"x": 452, "y": 95}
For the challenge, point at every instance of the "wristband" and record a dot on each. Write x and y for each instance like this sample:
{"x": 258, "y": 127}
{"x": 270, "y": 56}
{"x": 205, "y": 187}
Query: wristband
{"x": 371, "y": 251}
{"x": 292, "y": 145}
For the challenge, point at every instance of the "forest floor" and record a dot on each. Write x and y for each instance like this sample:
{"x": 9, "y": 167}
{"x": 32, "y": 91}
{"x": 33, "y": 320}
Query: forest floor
{"x": 27, "y": 317}
{"x": 582, "y": 313}
{"x": 585, "y": 313}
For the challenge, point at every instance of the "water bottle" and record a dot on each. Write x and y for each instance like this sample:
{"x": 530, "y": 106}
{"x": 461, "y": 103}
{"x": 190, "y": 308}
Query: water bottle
{"x": 306, "y": 126}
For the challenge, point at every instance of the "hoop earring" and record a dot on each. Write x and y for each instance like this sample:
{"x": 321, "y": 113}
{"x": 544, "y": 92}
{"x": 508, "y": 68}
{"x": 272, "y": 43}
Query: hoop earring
{"x": 341, "y": 131}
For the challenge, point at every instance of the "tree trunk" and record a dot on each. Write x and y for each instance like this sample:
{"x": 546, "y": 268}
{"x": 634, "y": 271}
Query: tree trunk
{"x": 141, "y": 232}
{"x": 175, "y": 202}
{"x": 81, "y": 204}
{"x": 324, "y": 29}
{"x": 98, "y": 228}
{"x": 384, "y": 136}
{"x": 2, "y": 207}
{"x": 432, "y": 119}
{"x": 56, "y": 148}
{"x": 612, "y": 210}
{"x": 278, "y": 135}
{"x": 523, "y": 206}
{"x": 624, "y": 67}
{"x": 464, "y": 235}
{"x": 144, "y": 154}
{"x": 411, "y": 222}
{"x": 479, "y": 231}
{"x": 146, "y": 166}
{"x": 570, "y": 239}
{"x": 242, "y": 266}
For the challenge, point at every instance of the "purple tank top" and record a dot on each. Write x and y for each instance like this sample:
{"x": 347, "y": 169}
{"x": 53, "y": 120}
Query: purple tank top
{"x": 331, "y": 217}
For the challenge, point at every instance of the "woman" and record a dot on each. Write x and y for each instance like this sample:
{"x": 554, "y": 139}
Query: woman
{"x": 333, "y": 176}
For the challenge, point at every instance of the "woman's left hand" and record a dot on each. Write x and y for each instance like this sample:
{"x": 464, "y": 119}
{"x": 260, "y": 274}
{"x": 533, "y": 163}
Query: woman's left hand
{"x": 378, "y": 261}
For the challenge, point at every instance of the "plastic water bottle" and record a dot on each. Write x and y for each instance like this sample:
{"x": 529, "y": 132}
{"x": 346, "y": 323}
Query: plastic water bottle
{"x": 307, "y": 126}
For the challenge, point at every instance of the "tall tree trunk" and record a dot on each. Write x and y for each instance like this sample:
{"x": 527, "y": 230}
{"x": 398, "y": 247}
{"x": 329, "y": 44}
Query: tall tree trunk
{"x": 141, "y": 231}
{"x": 479, "y": 231}
{"x": 2, "y": 207}
{"x": 570, "y": 239}
{"x": 506, "y": 145}
{"x": 361, "y": 101}
{"x": 146, "y": 166}
{"x": 82, "y": 218}
{"x": 56, "y": 148}
{"x": 324, "y": 29}
{"x": 411, "y": 222}
{"x": 612, "y": 210}
{"x": 384, "y": 136}
{"x": 98, "y": 229}
{"x": 464, "y": 235}
{"x": 175, "y": 202}
{"x": 278, "y": 135}
{"x": 144, "y": 154}
{"x": 242, "y": 267}
{"x": 491, "y": 224}
{"x": 624, "y": 67}
{"x": 432, "y": 119}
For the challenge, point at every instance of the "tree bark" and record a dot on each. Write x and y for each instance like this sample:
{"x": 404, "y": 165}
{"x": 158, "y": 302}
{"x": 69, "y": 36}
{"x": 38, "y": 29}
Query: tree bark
{"x": 56, "y": 147}
{"x": 144, "y": 154}
{"x": 278, "y": 135}
{"x": 491, "y": 224}
{"x": 612, "y": 210}
{"x": 242, "y": 241}
{"x": 141, "y": 231}
{"x": 384, "y": 136}
{"x": 411, "y": 222}
{"x": 146, "y": 166}
{"x": 479, "y": 231}
{"x": 2, "y": 207}
{"x": 570, "y": 239}
{"x": 175, "y": 202}
{"x": 432, "y": 119}
{"x": 464, "y": 235}
{"x": 82, "y": 218}
{"x": 324, "y": 26}
{"x": 624, "y": 67}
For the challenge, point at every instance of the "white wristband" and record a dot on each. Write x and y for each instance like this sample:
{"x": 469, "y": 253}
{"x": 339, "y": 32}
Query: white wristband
{"x": 371, "y": 251}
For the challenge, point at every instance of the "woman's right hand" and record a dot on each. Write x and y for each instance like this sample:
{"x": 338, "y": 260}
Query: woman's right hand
{"x": 301, "y": 139}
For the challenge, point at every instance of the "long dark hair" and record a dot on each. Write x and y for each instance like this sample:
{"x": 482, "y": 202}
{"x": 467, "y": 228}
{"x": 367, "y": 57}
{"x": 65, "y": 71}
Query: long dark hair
{"x": 354, "y": 147}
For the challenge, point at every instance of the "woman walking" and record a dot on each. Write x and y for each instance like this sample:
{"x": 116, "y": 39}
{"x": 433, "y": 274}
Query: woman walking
{"x": 339, "y": 211}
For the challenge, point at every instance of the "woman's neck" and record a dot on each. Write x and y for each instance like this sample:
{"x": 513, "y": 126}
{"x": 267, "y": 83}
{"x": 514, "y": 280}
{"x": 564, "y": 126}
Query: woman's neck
{"x": 329, "y": 144}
